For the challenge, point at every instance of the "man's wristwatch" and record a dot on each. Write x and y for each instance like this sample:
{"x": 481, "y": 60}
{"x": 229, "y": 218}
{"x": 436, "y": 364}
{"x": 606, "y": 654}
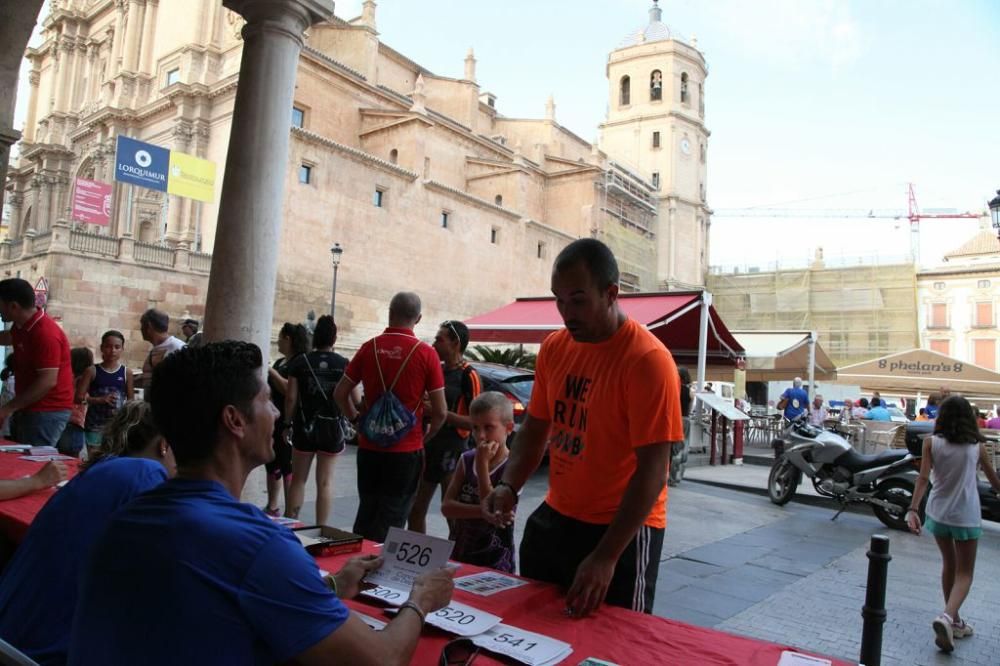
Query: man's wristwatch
{"x": 513, "y": 490}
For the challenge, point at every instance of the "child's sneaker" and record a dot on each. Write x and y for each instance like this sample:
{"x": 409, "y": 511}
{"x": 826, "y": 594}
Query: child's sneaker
{"x": 944, "y": 637}
{"x": 961, "y": 629}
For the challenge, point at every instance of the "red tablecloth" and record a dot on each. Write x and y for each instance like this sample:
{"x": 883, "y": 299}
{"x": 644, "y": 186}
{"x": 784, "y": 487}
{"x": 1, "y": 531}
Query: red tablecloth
{"x": 16, "y": 514}
{"x": 613, "y": 634}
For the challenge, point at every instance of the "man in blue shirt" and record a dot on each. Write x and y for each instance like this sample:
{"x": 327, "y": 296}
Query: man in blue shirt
{"x": 877, "y": 411}
{"x": 188, "y": 574}
{"x": 794, "y": 401}
{"x": 38, "y": 589}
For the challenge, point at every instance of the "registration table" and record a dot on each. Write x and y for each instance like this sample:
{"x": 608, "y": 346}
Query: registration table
{"x": 612, "y": 634}
{"x": 16, "y": 514}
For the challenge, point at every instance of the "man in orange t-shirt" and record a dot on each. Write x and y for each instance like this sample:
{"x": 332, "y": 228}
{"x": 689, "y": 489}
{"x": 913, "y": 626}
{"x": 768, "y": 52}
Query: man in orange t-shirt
{"x": 606, "y": 404}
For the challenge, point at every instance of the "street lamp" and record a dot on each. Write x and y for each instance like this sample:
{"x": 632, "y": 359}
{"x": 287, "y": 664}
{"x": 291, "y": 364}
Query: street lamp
{"x": 336, "y": 251}
{"x": 995, "y": 212}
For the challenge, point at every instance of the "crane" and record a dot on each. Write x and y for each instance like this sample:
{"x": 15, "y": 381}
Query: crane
{"x": 912, "y": 213}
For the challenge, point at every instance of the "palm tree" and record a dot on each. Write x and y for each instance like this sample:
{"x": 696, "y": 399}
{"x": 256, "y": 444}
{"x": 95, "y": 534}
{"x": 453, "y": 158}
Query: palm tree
{"x": 512, "y": 356}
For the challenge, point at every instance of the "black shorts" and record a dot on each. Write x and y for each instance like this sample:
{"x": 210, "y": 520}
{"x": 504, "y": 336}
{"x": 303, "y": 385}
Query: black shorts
{"x": 281, "y": 466}
{"x": 554, "y": 545}
{"x": 302, "y": 443}
{"x": 440, "y": 460}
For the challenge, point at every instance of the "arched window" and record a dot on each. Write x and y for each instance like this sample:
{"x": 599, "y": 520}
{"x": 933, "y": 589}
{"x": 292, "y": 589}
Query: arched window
{"x": 625, "y": 91}
{"x": 684, "y": 88}
{"x": 655, "y": 86}
{"x": 393, "y": 155}
{"x": 498, "y": 200}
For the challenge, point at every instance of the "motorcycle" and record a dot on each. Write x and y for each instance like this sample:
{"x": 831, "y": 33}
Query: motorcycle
{"x": 884, "y": 480}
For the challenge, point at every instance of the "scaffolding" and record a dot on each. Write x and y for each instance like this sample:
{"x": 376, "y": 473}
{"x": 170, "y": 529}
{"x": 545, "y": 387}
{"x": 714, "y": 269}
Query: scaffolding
{"x": 860, "y": 312}
{"x": 627, "y": 223}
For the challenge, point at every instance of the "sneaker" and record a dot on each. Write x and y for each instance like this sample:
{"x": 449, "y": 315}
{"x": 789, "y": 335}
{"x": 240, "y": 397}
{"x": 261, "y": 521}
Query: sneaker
{"x": 944, "y": 638}
{"x": 274, "y": 513}
{"x": 961, "y": 629}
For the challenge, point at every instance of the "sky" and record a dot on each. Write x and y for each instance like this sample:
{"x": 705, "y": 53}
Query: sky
{"x": 812, "y": 105}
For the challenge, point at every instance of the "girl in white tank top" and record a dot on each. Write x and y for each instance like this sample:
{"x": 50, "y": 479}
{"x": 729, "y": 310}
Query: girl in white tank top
{"x": 951, "y": 458}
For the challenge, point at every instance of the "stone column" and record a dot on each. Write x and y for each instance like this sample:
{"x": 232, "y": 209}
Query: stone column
{"x": 119, "y": 33}
{"x": 133, "y": 29}
{"x": 31, "y": 120}
{"x": 44, "y": 188}
{"x": 16, "y": 200}
{"x": 149, "y": 21}
{"x": 64, "y": 72}
{"x": 240, "y": 303}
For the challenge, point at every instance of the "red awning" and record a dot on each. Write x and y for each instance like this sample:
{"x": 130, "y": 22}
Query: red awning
{"x": 674, "y": 317}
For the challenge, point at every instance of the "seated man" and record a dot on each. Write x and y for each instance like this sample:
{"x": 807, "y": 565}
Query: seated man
{"x": 38, "y": 587}
{"x": 188, "y": 574}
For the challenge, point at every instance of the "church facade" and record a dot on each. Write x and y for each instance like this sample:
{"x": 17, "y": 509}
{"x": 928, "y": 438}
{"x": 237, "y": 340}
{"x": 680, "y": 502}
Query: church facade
{"x": 418, "y": 176}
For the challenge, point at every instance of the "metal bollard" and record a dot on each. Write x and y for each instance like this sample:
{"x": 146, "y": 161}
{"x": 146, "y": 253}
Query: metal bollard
{"x": 873, "y": 611}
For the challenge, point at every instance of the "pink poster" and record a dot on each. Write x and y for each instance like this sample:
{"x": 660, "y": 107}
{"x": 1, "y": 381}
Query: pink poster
{"x": 92, "y": 202}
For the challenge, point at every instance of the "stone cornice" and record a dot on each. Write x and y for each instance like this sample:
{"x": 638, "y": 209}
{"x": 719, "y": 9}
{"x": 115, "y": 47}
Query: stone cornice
{"x": 393, "y": 54}
{"x": 549, "y": 229}
{"x": 697, "y": 122}
{"x": 354, "y": 153}
{"x": 399, "y": 120}
{"x": 471, "y": 198}
{"x": 496, "y": 174}
{"x": 993, "y": 268}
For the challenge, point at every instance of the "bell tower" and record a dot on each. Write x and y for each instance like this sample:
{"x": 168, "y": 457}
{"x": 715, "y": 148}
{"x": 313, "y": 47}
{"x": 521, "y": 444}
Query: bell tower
{"x": 655, "y": 127}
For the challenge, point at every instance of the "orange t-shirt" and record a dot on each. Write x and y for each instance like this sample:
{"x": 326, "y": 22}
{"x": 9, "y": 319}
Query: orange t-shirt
{"x": 604, "y": 400}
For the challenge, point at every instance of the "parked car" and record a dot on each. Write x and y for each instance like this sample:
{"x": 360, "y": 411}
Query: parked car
{"x": 514, "y": 383}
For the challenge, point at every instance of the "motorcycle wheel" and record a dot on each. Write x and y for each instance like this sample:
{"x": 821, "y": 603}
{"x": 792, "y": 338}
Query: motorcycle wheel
{"x": 900, "y": 493}
{"x": 782, "y": 482}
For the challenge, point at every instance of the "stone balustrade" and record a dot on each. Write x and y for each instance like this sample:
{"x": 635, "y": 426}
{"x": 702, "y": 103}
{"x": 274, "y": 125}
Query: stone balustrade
{"x": 124, "y": 249}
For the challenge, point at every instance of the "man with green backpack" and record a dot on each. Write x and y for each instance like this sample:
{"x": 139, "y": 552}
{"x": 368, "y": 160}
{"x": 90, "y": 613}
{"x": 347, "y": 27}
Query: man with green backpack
{"x": 396, "y": 370}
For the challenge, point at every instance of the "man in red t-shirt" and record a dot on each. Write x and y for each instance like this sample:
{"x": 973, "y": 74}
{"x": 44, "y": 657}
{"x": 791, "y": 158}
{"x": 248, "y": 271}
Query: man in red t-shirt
{"x": 388, "y": 477}
{"x": 42, "y": 372}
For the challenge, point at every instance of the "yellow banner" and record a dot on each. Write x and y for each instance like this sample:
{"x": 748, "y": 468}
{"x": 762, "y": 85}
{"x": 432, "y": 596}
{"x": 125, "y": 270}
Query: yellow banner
{"x": 191, "y": 177}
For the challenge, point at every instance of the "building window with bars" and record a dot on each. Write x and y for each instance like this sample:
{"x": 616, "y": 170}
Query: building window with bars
{"x": 656, "y": 139}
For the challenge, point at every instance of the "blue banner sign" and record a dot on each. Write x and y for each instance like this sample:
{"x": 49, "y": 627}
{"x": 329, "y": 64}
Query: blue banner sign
{"x": 142, "y": 164}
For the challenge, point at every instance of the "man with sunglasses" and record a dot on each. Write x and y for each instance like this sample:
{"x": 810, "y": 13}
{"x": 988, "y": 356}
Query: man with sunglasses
{"x": 441, "y": 454}
{"x": 606, "y": 404}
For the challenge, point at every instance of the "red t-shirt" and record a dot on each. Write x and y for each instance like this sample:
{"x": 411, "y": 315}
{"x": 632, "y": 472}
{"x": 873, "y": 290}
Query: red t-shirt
{"x": 421, "y": 374}
{"x": 39, "y": 345}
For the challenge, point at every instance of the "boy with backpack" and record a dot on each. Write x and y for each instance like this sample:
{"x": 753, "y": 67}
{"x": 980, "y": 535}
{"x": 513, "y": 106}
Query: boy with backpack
{"x": 396, "y": 370}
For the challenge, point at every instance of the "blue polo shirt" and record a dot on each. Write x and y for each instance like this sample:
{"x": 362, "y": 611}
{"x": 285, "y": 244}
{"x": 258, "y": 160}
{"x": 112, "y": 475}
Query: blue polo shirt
{"x": 798, "y": 402}
{"x": 38, "y": 588}
{"x": 186, "y": 574}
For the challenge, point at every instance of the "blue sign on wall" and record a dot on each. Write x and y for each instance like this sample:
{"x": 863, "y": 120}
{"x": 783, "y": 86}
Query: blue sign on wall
{"x": 142, "y": 164}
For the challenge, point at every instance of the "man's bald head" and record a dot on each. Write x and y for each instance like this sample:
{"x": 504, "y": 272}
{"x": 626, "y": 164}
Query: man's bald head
{"x": 404, "y": 310}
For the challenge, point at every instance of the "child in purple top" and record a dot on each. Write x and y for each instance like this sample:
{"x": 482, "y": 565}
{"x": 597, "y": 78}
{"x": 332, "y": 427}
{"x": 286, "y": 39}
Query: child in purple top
{"x": 477, "y": 541}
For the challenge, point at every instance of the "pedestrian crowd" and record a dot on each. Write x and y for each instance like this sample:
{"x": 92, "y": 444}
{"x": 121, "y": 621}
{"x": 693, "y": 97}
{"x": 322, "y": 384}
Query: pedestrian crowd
{"x": 169, "y": 566}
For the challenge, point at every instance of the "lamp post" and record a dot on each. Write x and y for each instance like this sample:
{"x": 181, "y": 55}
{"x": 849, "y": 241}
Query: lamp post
{"x": 995, "y": 212}
{"x": 335, "y": 251}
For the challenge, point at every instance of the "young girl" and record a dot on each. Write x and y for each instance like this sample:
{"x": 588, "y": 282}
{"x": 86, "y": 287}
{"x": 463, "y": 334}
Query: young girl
{"x": 477, "y": 541}
{"x": 109, "y": 388}
{"x": 71, "y": 441}
{"x": 953, "y": 512}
